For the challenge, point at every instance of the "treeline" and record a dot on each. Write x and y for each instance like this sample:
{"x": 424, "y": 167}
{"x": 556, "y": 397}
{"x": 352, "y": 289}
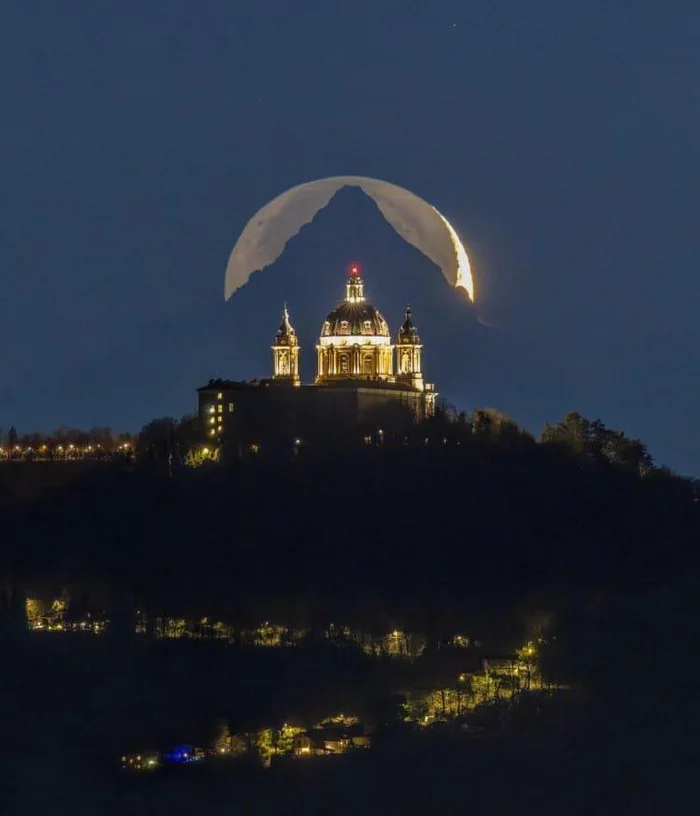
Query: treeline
{"x": 182, "y": 442}
{"x": 464, "y": 525}
{"x": 63, "y": 441}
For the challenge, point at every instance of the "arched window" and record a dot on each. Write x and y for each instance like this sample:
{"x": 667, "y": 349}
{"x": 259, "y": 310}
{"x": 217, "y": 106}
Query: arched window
{"x": 367, "y": 365}
{"x": 344, "y": 364}
{"x": 344, "y": 327}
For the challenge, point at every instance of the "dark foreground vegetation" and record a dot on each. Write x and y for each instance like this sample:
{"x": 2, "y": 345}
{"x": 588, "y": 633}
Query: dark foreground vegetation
{"x": 469, "y": 526}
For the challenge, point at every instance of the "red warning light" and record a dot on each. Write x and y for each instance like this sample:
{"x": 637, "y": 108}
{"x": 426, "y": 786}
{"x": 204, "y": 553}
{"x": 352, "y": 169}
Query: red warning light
{"x": 354, "y": 270}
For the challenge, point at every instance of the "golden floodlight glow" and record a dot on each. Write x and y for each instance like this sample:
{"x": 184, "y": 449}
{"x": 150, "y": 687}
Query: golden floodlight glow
{"x": 465, "y": 280}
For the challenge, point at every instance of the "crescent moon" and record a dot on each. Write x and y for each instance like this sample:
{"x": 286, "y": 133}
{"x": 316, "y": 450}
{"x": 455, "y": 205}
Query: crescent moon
{"x": 419, "y": 223}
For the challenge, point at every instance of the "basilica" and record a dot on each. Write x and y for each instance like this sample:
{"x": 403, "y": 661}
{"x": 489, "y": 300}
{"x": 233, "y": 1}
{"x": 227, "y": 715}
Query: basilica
{"x": 364, "y": 378}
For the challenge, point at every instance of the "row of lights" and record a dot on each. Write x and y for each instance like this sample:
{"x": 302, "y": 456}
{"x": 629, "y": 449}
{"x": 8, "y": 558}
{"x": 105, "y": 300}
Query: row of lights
{"x": 59, "y": 449}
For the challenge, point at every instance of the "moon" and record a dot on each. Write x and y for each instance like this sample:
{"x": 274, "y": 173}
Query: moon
{"x": 419, "y": 223}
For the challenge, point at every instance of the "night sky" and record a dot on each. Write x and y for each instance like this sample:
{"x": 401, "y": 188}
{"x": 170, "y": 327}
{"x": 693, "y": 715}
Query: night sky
{"x": 559, "y": 137}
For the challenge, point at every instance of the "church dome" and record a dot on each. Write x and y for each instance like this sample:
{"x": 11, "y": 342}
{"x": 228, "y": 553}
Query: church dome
{"x": 356, "y": 320}
{"x": 355, "y": 342}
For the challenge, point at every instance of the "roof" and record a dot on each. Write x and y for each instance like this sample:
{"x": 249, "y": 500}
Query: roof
{"x": 355, "y": 319}
{"x": 221, "y": 385}
{"x": 408, "y": 333}
{"x": 234, "y": 385}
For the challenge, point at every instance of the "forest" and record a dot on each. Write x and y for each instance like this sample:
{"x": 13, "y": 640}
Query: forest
{"x": 575, "y": 540}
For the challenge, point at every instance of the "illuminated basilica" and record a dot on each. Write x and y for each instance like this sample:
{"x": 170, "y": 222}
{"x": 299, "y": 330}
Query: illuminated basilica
{"x": 355, "y": 344}
{"x": 362, "y": 377}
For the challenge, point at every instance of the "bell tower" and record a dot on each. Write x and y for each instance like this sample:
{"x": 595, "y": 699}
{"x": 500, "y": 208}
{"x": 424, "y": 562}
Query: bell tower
{"x": 285, "y": 352}
{"x": 408, "y": 354}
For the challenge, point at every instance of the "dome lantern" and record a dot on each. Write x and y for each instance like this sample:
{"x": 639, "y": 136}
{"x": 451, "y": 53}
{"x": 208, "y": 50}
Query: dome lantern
{"x": 355, "y": 287}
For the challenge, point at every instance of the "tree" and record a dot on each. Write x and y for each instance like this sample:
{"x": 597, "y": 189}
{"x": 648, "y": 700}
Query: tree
{"x": 594, "y": 440}
{"x": 156, "y": 441}
{"x": 573, "y": 431}
{"x": 189, "y": 437}
{"x": 493, "y": 423}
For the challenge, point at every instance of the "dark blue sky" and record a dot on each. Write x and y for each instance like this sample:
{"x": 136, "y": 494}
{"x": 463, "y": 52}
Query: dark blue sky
{"x": 560, "y": 137}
